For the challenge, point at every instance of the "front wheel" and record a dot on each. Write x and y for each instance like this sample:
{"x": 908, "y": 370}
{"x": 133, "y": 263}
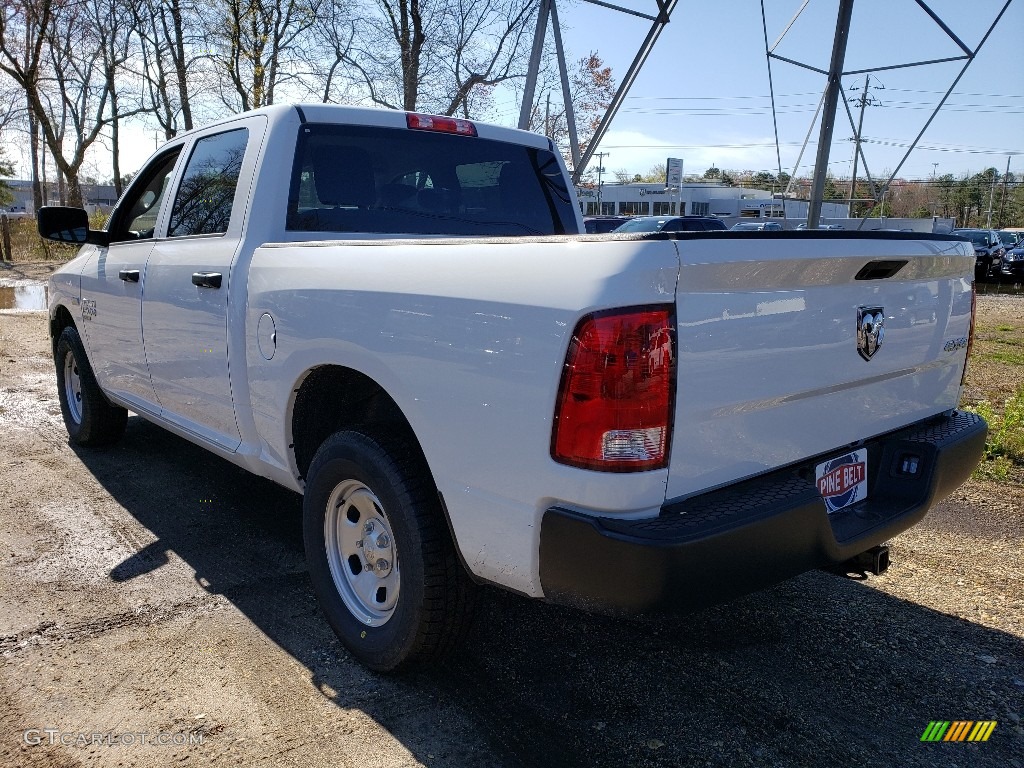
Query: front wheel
{"x": 381, "y": 559}
{"x": 90, "y": 419}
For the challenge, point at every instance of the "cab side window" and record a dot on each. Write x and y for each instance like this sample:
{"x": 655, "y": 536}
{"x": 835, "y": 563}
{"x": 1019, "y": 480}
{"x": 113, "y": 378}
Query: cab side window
{"x": 135, "y": 217}
{"x": 207, "y": 190}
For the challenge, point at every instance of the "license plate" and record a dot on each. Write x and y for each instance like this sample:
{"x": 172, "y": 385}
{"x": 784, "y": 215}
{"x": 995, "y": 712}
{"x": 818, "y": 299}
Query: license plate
{"x": 844, "y": 480}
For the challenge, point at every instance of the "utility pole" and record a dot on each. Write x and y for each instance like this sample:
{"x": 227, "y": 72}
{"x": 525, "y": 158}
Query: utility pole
{"x": 828, "y": 115}
{"x": 865, "y": 100}
{"x": 547, "y": 117}
{"x": 1002, "y": 199}
{"x": 991, "y": 199}
{"x": 600, "y": 170}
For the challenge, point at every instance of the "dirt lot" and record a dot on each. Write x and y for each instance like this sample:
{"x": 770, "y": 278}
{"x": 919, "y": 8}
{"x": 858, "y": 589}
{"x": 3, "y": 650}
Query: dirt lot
{"x": 152, "y": 589}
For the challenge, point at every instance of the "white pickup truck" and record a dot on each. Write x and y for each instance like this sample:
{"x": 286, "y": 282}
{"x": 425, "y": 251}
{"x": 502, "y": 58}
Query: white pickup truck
{"x": 394, "y": 315}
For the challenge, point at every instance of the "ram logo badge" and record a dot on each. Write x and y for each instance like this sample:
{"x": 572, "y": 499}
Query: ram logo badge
{"x": 870, "y": 330}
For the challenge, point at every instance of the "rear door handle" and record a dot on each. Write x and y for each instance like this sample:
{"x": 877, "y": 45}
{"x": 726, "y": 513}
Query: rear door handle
{"x": 129, "y": 275}
{"x": 206, "y": 279}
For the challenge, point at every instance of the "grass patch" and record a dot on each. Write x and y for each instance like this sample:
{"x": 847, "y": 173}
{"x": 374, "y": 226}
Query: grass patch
{"x": 27, "y": 245}
{"x": 1004, "y": 448}
{"x": 1007, "y": 356}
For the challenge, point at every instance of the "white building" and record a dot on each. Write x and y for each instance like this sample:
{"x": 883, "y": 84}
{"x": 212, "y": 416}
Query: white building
{"x": 696, "y": 199}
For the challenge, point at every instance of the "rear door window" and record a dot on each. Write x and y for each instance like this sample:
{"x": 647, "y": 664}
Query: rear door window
{"x": 388, "y": 180}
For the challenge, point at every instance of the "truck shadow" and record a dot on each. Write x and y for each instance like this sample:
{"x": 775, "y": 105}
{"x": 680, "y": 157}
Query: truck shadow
{"x": 816, "y": 671}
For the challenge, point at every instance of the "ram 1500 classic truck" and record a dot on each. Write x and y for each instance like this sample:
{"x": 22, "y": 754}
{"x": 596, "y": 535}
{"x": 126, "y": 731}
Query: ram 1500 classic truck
{"x": 395, "y": 315}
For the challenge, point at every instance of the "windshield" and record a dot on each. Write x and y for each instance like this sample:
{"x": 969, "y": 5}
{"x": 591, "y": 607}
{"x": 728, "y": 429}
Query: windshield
{"x": 643, "y": 224}
{"x": 389, "y": 180}
{"x": 1007, "y": 238}
{"x": 976, "y": 236}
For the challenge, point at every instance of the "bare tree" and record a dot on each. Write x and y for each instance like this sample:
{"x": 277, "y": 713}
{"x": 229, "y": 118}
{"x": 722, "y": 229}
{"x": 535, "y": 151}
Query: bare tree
{"x": 114, "y": 23}
{"x": 333, "y": 36}
{"x": 591, "y": 88}
{"x": 490, "y": 41}
{"x": 6, "y": 172}
{"x": 72, "y": 100}
{"x": 438, "y": 55}
{"x": 21, "y": 44}
{"x": 11, "y": 105}
{"x": 66, "y": 56}
{"x": 261, "y": 46}
{"x": 171, "y": 34}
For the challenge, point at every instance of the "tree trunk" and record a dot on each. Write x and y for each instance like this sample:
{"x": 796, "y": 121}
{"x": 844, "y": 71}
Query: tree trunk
{"x": 115, "y": 138}
{"x": 179, "y": 65}
{"x": 37, "y": 184}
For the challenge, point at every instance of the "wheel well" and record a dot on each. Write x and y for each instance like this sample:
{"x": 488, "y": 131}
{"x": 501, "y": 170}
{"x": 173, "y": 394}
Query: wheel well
{"x": 61, "y": 319}
{"x": 332, "y": 398}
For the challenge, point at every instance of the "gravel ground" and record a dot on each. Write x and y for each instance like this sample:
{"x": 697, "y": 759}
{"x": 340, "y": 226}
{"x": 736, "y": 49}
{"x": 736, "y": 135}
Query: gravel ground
{"x": 153, "y": 589}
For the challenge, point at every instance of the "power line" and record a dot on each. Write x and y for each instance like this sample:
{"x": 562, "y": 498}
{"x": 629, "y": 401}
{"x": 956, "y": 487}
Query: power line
{"x": 815, "y": 93}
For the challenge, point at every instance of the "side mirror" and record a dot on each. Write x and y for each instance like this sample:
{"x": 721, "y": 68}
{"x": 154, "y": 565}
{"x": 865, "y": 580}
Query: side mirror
{"x": 68, "y": 225}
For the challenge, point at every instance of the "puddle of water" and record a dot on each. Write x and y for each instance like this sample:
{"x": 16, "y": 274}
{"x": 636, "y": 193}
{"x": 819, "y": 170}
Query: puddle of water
{"x": 23, "y": 297}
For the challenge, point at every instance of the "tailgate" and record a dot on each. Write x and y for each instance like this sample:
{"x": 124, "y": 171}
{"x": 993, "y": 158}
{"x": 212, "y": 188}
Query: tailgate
{"x": 780, "y": 355}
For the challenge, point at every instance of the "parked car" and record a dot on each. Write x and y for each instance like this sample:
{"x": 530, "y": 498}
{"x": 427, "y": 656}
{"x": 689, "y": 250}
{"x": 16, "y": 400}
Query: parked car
{"x": 759, "y": 226}
{"x": 1013, "y": 262}
{"x": 1010, "y": 239}
{"x": 672, "y": 224}
{"x": 988, "y": 251}
{"x": 802, "y": 227}
{"x": 599, "y": 225}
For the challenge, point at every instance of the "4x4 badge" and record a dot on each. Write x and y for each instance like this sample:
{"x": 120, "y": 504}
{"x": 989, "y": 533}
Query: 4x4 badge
{"x": 870, "y": 330}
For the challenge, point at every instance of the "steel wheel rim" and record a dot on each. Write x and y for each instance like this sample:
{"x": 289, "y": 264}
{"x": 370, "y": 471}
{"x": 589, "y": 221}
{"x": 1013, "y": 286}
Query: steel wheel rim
{"x": 361, "y": 554}
{"x": 73, "y": 387}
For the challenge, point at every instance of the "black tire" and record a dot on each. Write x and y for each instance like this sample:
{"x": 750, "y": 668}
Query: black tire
{"x": 89, "y": 417}
{"x": 355, "y": 481}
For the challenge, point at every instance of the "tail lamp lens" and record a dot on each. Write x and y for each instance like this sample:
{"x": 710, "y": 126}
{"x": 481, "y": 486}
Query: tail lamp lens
{"x": 420, "y": 122}
{"x": 615, "y": 401}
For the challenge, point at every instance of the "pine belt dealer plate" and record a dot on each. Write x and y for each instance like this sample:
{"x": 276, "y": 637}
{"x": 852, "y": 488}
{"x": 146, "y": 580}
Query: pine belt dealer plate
{"x": 844, "y": 480}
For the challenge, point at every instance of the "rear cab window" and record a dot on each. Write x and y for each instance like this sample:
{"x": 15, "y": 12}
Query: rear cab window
{"x": 389, "y": 180}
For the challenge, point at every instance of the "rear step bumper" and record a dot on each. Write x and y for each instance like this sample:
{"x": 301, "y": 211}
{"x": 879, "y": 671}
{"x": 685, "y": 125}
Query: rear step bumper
{"x": 714, "y": 547}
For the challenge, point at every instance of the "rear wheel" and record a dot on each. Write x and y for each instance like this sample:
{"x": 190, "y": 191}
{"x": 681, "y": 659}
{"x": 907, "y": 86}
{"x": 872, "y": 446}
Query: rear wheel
{"x": 381, "y": 559}
{"x": 90, "y": 419}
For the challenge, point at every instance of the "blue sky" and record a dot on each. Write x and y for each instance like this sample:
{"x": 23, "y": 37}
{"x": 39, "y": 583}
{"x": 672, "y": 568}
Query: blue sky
{"x": 704, "y": 95}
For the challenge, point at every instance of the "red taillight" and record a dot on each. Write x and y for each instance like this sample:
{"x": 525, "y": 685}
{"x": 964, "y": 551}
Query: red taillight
{"x": 615, "y": 402}
{"x": 970, "y": 332}
{"x": 420, "y": 122}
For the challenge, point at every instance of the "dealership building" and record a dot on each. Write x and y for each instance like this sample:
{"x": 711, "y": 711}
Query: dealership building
{"x": 696, "y": 199}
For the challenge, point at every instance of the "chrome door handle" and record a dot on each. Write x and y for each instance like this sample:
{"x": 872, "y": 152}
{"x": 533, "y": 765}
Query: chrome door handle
{"x": 206, "y": 279}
